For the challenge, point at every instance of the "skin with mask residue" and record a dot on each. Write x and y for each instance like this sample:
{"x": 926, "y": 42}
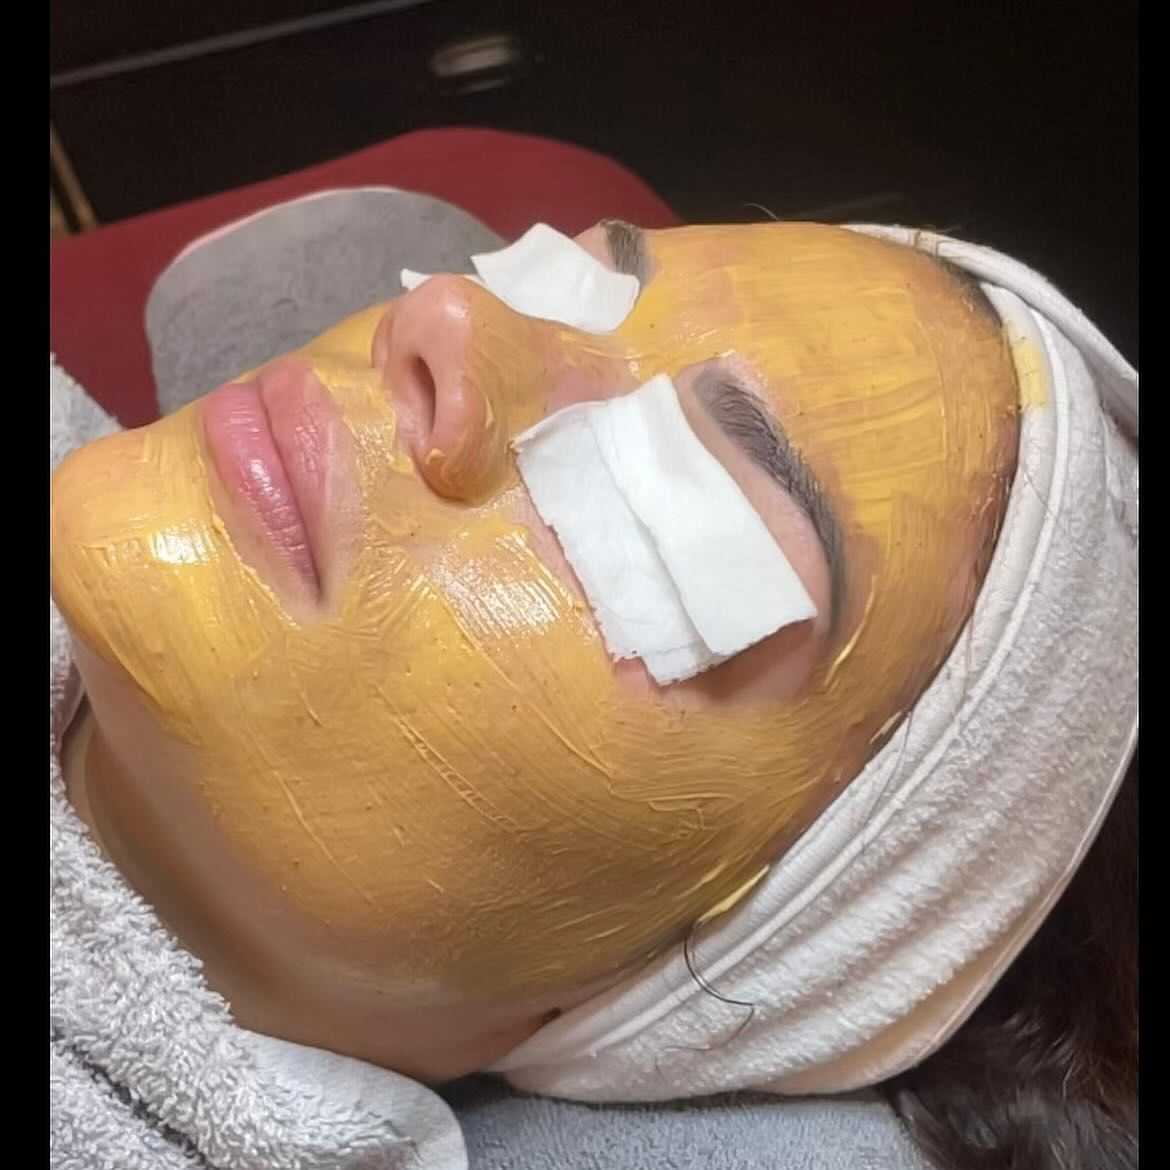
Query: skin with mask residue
{"x": 425, "y": 779}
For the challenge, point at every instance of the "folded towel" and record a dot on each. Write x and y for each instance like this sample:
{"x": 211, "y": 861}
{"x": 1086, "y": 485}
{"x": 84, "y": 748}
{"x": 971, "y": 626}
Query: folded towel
{"x": 741, "y": 1131}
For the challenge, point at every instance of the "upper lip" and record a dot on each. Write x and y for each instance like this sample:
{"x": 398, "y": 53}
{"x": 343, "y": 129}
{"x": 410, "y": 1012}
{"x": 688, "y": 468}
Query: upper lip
{"x": 269, "y": 444}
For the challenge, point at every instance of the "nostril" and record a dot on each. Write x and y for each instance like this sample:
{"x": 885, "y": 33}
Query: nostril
{"x": 418, "y": 394}
{"x": 449, "y": 423}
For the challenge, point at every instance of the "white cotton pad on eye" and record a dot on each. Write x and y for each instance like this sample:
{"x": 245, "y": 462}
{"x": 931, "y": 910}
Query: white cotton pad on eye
{"x": 632, "y": 595}
{"x": 547, "y": 275}
{"x": 678, "y": 566}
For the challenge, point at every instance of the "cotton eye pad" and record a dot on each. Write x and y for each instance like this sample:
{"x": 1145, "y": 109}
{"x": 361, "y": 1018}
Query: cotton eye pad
{"x": 676, "y": 563}
{"x": 547, "y": 275}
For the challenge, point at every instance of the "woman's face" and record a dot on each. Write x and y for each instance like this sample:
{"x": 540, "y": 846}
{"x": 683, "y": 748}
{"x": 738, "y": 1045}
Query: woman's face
{"x": 349, "y": 670}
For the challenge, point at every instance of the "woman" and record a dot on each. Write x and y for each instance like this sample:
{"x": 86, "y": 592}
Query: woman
{"x": 351, "y": 730}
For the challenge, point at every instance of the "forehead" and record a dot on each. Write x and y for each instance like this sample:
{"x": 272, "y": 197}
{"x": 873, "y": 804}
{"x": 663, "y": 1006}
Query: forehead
{"x": 811, "y": 302}
{"x": 871, "y": 354}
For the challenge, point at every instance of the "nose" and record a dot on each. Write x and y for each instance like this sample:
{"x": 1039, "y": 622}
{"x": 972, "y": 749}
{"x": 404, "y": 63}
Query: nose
{"x": 457, "y": 364}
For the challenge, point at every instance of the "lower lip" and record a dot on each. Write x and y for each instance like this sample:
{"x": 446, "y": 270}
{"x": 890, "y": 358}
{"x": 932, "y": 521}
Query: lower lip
{"x": 264, "y": 460}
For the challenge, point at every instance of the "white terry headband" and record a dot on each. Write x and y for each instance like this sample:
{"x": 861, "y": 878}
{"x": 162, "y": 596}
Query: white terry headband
{"x": 871, "y": 941}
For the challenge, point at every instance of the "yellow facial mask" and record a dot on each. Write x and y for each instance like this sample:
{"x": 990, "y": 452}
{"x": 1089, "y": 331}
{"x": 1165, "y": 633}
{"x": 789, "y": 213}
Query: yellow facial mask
{"x": 432, "y": 770}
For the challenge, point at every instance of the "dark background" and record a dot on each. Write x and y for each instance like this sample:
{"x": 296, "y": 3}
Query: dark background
{"x": 1014, "y": 125}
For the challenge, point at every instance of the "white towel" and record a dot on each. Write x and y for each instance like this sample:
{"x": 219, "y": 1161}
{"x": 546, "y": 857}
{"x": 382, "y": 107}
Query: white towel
{"x": 877, "y": 935}
{"x": 147, "y": 1071}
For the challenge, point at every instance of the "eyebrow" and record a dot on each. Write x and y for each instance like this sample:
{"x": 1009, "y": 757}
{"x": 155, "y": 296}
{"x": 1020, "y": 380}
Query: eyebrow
{"x": 627, "y": 247}
{"x": 757, "y": 432}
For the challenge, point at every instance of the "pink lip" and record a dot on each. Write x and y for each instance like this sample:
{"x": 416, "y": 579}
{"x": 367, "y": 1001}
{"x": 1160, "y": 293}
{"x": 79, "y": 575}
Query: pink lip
{"x": 270, "y": 440}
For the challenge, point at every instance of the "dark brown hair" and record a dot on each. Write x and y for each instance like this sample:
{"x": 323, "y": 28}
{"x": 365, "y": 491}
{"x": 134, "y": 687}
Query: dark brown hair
{"x": 1044, "y": 1074}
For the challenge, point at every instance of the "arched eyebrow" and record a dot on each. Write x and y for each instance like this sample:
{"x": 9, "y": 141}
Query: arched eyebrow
{"x": 748, "y": 422}
{"x": 627, "y": 247}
